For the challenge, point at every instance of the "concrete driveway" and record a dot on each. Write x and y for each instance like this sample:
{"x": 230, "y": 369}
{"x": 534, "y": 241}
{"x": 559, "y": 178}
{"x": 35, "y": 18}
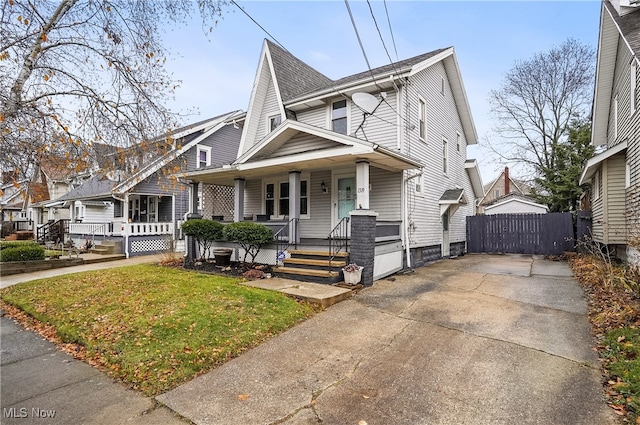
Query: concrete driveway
{"x": 475, "y": 340}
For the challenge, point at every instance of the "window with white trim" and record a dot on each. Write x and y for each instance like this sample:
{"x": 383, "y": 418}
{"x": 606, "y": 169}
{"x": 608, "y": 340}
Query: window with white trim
{"x": 445, "y": 156}
{"x": 203, "y": 158}
{"x": 418, "y": 184}
{"x": 627, "y": 176}
{"x": 442, "y": 85}
{"x": 276, "y": 199}
{"x": 458, "y": 140}
{"x": 274, "y": 122}
{"x": 595, "y": 186}
{"x": 422, "y": 119}
{"x": 339, "y": 116}
{"x": 634, "y": 85}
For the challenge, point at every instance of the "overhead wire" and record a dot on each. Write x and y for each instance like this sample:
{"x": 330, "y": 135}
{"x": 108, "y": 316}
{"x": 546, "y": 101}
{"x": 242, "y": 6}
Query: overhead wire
{"x": 364, "y": 53}
{"x": 384, "y": 45}
{"x": 261, "y": 27}
{"x": 393, "y": 39}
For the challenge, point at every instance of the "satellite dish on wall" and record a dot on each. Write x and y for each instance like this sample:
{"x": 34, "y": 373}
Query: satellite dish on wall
{"x": 365, "y": 101}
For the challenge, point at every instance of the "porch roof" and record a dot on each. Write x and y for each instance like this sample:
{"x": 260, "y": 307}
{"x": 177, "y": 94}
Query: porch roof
{"x": 593, "y": 164}
{"x": 340, "y": 150}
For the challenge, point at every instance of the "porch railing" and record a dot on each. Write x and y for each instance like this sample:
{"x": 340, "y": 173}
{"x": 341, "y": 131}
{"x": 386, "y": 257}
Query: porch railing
{"x": 286, "y": 237}
{"x": 53, "y": 231}
{"x": 9, "y": 227}
{"x": 144, "y": 229}
{"x": 89, "y": 228}
{"x": 338, "y": 240}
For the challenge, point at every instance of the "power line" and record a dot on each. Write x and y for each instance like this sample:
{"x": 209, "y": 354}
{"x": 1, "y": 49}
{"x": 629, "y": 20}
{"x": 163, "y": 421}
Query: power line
{"x": 390, "y": 30}
{"x": 380, "y": 35}
{"x": 261, "y": 27}
{"x": 355, "y": 28}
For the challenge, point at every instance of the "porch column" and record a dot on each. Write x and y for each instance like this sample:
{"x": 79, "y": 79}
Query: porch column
{"x": 363, "y": 242}
{"x": 238, "y": 200}
{"x": 190, "y": 241}
{"x": 362, "y": 185}
{"x": 124, "y": 227}
{"x": 294, "y": 205}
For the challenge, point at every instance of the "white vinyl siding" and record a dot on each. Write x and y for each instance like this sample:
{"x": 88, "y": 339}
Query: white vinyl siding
{"x": 270, "y": 109}
{"x": 385, "y": 196}
{"x": 443, "y": 121}
{"x": 314, "y": 116}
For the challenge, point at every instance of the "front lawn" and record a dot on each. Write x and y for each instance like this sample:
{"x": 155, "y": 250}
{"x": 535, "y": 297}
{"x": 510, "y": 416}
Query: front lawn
{"x": 154, "y": 327}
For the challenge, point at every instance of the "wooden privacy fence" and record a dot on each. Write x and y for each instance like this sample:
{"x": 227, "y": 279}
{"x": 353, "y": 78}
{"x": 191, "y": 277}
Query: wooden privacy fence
{"x": 543, "y": 234}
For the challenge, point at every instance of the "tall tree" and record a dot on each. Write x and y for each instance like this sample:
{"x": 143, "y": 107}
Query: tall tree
{"x": 83, "y": 71}
{"x": 536, "y": 103}
{"x": 561, "y": 185}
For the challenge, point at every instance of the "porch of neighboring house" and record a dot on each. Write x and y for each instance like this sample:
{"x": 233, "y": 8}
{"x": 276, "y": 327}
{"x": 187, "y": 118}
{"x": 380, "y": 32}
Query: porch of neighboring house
{"x": 15, "y": 224}
{"x": 319, "y": 217}
{"x": 147, "y": 225}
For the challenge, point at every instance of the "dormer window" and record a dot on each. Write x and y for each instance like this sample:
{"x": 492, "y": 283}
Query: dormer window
{"x": 274, "y": 122}
{"x": 422, "y": 119}
{"x": 203, "y": 156}
{"x": 339, "y": 116}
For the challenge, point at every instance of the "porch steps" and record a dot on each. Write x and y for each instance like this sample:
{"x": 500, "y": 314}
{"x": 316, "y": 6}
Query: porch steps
{"x": 107, "y": 247}
{"x": 313, "y": 266}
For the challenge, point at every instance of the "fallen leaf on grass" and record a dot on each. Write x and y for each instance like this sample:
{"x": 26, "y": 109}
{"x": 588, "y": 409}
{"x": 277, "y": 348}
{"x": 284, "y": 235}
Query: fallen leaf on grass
{"x": 243, "y": 397}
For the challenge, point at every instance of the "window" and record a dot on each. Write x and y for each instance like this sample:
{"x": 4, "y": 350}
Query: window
{"x": 270, "y": 196}
{"x": 274, "y": 122}
{"x": 458, "y": 142}
{"x": 204, "y": 156}
{"x": 442, "y": 85}
{"x": 276, "y": 199}
{"x": 634, "y": 85}
{"x": 339, "y": 116}
{"x": 284, "y": 199}
{"x": 627, "y": 176}
{"x": 422, "y": 119}
{"x": 496, "y": 194}
{"x": 418, "y": 181}
{"x": 615, "y": 117}
{"x": 596, "y": 185}
{"x": 304, "y": 198}
{"x": 445, "y": 156}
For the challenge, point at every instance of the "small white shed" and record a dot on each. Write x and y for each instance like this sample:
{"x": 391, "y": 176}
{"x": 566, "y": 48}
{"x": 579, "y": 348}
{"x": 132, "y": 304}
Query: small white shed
{"x": 516, "y": 205}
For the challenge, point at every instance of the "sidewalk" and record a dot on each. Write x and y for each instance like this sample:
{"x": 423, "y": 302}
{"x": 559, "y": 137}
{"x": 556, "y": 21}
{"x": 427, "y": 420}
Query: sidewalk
{"x": 25, "y": 277}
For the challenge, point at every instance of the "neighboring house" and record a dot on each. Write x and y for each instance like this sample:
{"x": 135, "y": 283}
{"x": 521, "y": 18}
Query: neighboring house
{"x": 60, "y": 177}
{"x": 143, "y": 211}
{"x": 502, "y": 186}
{"x": 390, "y": 142}
{"x": 614, "y": 173}
{"x": 514, "y": 203}
{"x": 12, "y": 201}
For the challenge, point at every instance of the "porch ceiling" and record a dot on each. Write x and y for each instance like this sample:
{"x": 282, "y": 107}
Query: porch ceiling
{"x": 316, "y": 160}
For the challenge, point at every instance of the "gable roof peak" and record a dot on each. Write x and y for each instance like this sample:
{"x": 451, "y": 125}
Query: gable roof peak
{"x": 293, "y": 75}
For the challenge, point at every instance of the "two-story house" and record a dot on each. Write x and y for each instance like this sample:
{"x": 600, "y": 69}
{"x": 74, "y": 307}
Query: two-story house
{"x": 141, "y": 211}
{"x": 391, "y": 142}
{"x": 614, "y": 173}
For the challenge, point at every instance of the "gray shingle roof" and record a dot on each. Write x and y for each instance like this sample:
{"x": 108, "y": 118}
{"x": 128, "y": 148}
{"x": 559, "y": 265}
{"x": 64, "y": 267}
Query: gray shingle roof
{"x": 296, "y": 78}
{"x": 629, "y": 26}
{"x": 96, "y": 187}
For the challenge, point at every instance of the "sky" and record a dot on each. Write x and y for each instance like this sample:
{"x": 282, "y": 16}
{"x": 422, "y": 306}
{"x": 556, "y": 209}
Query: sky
{"x": 217, "y": 68}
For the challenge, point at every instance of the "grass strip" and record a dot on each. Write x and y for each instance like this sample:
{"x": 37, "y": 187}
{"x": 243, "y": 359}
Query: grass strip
{"x": 154, "y": 327}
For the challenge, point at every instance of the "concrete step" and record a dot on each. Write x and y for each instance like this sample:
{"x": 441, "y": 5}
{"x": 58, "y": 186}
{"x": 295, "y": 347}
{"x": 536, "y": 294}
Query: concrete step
{"x": 336, "y": 264}
{"x": 314, "y": 253}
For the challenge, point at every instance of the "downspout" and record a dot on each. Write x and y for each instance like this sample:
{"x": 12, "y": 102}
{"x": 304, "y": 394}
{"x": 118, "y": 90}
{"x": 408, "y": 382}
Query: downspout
{"x": 405, "y": 219}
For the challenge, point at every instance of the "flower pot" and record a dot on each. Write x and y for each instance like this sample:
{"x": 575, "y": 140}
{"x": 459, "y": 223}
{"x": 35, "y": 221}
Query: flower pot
{"x": 353, "y": 277}
{"x": 222, "y": 256}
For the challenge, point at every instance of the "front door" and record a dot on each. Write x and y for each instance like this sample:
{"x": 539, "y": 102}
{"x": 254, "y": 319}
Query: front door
{"x": 446, "y": 252}
{"x": 345, "y": 198}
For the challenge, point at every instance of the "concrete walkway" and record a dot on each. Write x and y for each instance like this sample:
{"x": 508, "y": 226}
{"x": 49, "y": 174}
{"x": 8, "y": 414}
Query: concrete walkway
{"x": 25, "y": 277}
{"x": 476, "y": 340}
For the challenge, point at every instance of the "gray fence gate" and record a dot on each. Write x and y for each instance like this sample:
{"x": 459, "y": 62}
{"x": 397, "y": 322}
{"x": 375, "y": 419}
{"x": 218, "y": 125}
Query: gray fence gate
{"x": 543, "y": 234}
